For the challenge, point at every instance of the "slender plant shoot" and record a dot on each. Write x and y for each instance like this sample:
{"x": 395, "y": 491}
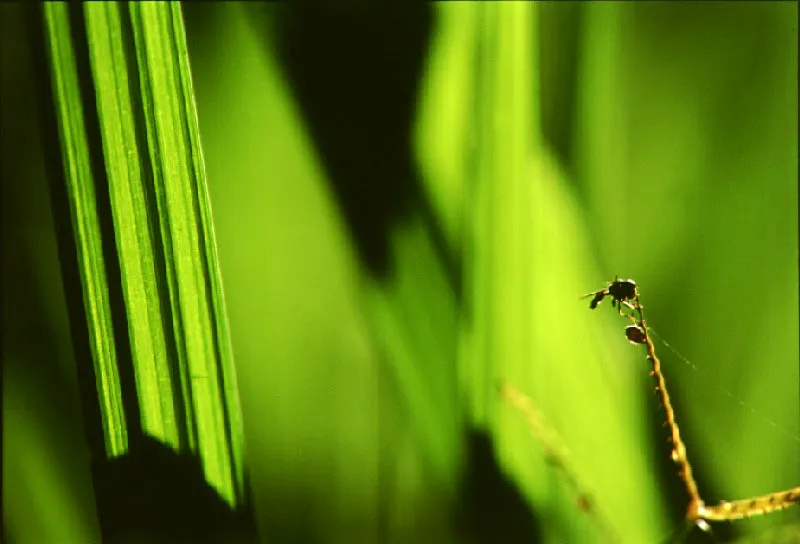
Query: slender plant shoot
{"x": 626, "y": 293}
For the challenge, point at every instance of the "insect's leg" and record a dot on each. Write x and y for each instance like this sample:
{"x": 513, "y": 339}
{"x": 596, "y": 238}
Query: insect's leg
{"x": 630, "y": 306}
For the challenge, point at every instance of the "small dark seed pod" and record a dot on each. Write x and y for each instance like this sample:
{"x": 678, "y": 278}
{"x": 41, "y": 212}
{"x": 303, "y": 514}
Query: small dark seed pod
{"x": 635, "y": 334}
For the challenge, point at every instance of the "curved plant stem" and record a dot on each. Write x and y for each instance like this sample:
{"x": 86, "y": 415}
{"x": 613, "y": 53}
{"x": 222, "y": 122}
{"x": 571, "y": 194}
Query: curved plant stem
{"x": 697, "y": 512}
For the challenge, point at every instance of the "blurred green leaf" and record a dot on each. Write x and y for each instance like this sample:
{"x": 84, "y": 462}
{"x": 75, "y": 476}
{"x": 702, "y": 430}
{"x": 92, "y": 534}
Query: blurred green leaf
{"x": 310, "y": 380}
{"x": 526, "y": 257}
{"x": 414, "y": 316}
{"x": 36, "y": 477}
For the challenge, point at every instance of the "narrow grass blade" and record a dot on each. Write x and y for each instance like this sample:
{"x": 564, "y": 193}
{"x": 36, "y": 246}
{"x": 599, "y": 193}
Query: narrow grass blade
{"x": 86, "y": 225}
{"x": 189, "y": 244}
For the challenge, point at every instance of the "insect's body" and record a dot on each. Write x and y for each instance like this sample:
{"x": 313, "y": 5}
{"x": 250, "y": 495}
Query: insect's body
{"x": 620, "y": 291}
{"x": 623, "y": 290}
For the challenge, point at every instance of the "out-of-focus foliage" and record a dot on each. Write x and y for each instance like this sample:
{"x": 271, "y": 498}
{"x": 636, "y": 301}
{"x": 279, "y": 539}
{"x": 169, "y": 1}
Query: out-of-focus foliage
{"x": 47, "y": 490}
{"x": 550, "y": 147}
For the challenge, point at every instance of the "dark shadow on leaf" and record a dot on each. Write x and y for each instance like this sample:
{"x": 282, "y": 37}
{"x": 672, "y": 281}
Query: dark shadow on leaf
{"x": 356, "y": 71}
{"x": 492, "y": 508}
{"x": 155, "y": 495}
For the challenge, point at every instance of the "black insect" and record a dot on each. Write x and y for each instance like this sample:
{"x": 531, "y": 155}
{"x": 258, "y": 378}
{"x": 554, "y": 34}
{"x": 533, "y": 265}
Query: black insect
{"x": 620, "y": 291}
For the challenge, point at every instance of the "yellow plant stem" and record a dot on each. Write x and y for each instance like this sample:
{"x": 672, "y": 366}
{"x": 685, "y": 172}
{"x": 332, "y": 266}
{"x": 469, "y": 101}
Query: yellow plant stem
{"x": 697, "y": 511}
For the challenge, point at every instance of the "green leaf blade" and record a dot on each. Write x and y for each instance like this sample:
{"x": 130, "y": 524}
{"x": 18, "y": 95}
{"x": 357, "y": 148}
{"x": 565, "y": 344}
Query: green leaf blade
{"x": 81, "y": 196}
{"x": 104, "y": 27}
{"x": 171, "y": 122}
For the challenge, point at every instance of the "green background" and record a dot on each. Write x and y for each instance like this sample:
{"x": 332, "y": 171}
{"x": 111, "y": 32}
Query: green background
{"x": 408, "y": 204}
